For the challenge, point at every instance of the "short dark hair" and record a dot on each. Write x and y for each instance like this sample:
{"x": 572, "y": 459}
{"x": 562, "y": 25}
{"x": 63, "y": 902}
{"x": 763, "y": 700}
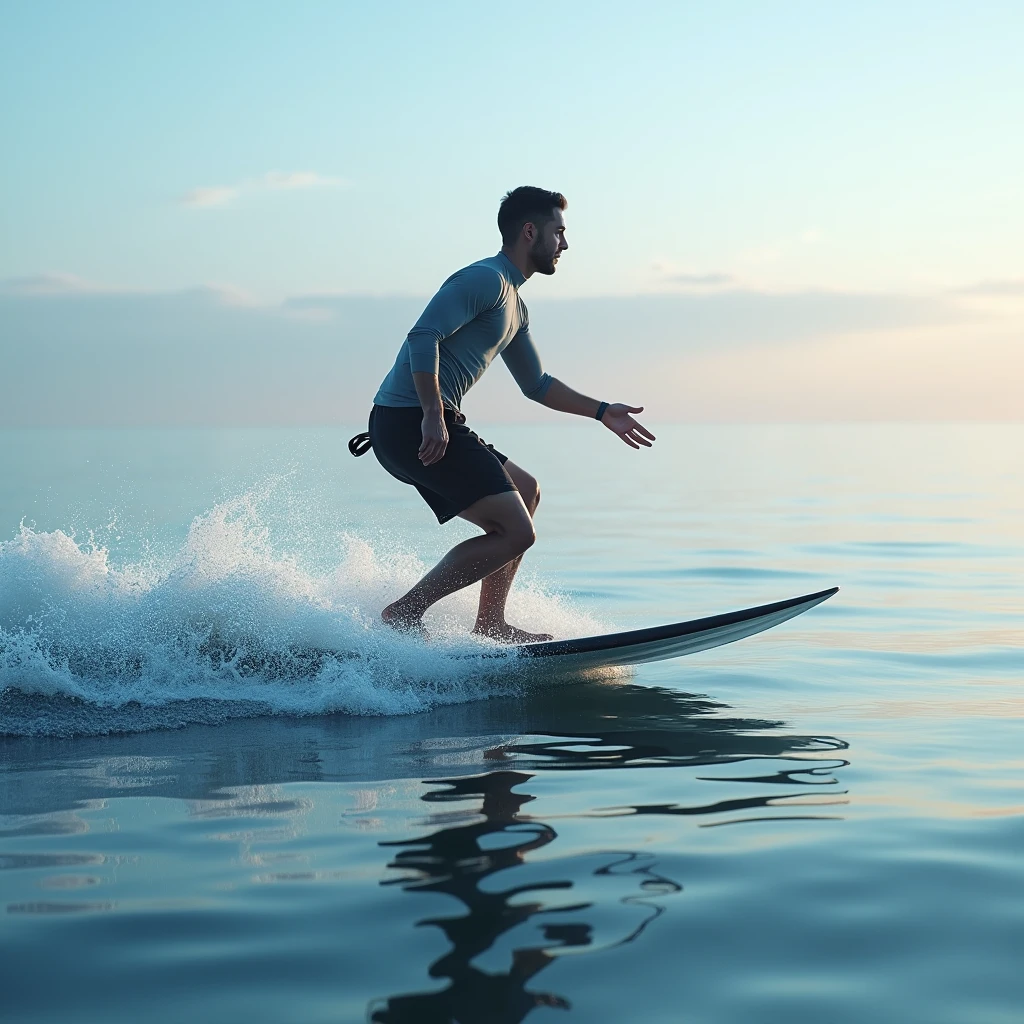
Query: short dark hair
{"x": 525, "y": 205}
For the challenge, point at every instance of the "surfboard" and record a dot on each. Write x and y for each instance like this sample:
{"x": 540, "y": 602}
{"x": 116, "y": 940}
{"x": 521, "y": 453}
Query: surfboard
{"x": 659, "y": 643}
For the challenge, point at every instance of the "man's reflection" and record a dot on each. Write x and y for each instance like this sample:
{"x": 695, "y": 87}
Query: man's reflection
{"x": 457, "y": 861}
{"x": 600, "y": 729}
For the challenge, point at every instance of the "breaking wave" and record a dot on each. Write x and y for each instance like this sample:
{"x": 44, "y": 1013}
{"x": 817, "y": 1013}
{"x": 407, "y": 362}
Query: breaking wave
{"x": 226, "y": 626}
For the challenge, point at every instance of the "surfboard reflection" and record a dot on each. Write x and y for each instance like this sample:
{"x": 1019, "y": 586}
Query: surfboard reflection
{"x": 490, "y": 972}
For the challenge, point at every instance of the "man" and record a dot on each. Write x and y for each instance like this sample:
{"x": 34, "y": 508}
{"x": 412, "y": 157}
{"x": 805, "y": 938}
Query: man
{"x": 419, "y": 434}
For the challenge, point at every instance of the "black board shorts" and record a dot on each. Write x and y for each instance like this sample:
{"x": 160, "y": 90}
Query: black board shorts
{"x": 469, "y": 470}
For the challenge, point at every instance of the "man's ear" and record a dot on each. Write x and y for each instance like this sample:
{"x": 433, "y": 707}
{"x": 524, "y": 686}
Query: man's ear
{"x": 529, "y": 231}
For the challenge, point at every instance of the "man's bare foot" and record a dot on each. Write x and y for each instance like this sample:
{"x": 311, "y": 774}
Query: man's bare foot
{"x": 506, "y": 634}
{"x": 397, "y": 618}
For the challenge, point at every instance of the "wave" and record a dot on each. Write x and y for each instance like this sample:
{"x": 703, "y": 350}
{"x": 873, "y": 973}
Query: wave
{"x": 226, "y": 626}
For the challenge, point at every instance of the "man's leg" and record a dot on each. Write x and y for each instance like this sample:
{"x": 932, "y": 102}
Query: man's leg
{"x": 494, "y": 589}
{"x": 508, "y": 532}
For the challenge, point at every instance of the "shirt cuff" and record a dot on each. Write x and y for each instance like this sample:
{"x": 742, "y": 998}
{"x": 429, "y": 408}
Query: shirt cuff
{"x": 540, "y": 389}
{"x": 423, "y": 354}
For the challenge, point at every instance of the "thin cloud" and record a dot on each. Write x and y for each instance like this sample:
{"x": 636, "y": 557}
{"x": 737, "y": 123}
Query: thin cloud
{"x": 714, "y": 280}
{"x": 1008, "y": 287}
{"x": 299, "y": 179}
{"x": 210, "y": 196}
{"x": 47, "y": 284}
{"x": 275, "y": 181}
{"x": 675, "y": 276}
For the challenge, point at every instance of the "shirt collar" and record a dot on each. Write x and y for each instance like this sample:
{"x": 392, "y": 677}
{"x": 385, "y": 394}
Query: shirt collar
{"x": 514, "y": 273}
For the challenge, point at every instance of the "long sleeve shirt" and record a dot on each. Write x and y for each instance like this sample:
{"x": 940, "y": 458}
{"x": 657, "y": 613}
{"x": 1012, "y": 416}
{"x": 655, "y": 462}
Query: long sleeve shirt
{"x": 476, "y": 315}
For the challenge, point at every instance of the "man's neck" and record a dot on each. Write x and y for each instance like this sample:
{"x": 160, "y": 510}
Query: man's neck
{"x": 520, "y": 260}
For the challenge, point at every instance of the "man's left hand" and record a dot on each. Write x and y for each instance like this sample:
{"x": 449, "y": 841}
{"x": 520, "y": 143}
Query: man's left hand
{"x": 618, "y": 420}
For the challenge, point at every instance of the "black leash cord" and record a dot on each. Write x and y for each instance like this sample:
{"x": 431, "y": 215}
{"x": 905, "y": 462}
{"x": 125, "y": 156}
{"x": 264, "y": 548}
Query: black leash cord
{"x": 360, "y": 444}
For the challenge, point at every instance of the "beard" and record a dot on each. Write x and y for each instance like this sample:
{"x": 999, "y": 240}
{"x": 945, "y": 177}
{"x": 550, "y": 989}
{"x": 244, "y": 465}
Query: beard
{"x": 543, "y": 257}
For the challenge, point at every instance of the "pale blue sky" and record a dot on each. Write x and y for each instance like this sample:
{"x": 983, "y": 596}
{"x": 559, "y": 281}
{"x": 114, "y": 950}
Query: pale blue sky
{"x": 760, "y": 147}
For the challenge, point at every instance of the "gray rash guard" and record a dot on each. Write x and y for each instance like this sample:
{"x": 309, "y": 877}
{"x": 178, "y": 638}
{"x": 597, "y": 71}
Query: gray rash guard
{"x": 476, "y": 315}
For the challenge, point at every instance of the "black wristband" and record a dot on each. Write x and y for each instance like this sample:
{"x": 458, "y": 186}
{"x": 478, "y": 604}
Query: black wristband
{"x": 601, "y": 410}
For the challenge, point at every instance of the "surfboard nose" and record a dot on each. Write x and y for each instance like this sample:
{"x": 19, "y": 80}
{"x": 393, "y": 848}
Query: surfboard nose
{"x": 659, "y": 643}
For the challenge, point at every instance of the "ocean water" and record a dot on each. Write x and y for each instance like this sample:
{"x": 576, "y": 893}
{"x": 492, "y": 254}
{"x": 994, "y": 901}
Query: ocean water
{"x": 202, "y": 819}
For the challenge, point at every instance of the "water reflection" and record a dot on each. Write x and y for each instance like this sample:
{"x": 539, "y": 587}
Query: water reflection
{"x": 458, "y": 861}
{"x": 541, "y": 899}
{"x": 521, "y": 899}
{"x": 591, "y": 726}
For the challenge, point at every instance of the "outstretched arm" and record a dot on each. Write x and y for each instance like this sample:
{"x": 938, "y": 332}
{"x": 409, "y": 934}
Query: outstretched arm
{"x": 522, "y": 360}
{"x": 615, "y": 417}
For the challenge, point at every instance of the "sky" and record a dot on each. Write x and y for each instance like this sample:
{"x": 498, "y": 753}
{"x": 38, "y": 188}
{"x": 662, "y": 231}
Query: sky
{"x": 777, "y": 211}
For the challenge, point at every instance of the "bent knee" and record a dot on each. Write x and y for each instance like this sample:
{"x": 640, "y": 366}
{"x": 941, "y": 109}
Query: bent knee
{"x": 530, "y": 491}
{"x": 505, "y": 516}
{"x": 520, "y": 535}
{"x": 526, "y": 485}
{"x": 528, "y": 537}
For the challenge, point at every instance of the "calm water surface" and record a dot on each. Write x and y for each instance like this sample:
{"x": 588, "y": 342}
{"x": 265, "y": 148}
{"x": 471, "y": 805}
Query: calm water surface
{"x": 823, "y": 822}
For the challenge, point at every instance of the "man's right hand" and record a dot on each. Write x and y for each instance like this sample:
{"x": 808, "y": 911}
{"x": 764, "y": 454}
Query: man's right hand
{"x": 435, "y": 438}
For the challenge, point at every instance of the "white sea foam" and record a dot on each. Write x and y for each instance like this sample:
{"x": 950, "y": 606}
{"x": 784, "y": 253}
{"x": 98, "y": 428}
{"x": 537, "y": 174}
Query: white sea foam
{"x": 227, "y": 620}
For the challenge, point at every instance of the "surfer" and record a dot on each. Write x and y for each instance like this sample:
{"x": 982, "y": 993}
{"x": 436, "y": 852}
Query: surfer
{"x": 420, "y": 436}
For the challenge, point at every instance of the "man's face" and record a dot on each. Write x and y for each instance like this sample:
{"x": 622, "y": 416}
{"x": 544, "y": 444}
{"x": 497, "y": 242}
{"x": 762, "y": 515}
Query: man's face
{"x": 549, "y": 244}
